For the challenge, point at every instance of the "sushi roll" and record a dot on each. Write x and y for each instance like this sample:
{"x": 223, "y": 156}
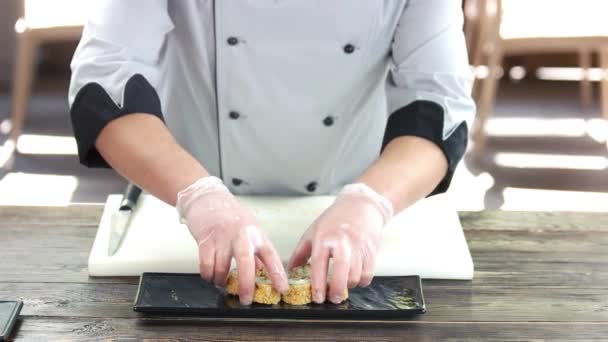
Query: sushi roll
{"x": 299, "y": 293}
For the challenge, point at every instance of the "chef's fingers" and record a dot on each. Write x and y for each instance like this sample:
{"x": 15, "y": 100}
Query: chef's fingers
{"x": 301, "y": 254}
{"x": 206, "y": 256}
{"x": 222, "y": 266}
{"x": 258, "y": 263}
{"x": 274, "y": 266}
{"x": 318, "y": 263}
{"x": 354, "y": 274}
{"x": 340, "y": 267}
{"x": 367, "y": 272}
{"x": 245, "y": 265}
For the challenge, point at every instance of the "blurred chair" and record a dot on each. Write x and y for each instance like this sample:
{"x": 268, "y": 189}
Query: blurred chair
{"x": 604, "y": 81}
{"x": 472, "y": 10}
{"x": 517, "y": 27}
{"x": 41, "y": 21}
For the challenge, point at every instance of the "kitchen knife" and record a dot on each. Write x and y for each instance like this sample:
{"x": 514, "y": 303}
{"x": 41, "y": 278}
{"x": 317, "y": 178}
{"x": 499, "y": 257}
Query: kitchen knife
{"x": 121, "y": 219}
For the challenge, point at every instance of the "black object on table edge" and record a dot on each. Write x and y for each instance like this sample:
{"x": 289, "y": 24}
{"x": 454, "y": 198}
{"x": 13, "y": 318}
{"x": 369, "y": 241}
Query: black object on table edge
{"x": 9, "y": 312}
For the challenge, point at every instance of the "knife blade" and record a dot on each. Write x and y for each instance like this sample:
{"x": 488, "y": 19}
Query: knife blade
{"x": 122, "y": 218}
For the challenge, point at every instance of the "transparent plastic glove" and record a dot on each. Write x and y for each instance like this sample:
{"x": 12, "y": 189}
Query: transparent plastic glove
{"x": 349, "y": 232}
{"x": 224, "y": 229}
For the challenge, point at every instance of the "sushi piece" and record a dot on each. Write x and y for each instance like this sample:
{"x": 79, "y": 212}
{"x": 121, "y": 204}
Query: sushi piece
{"x": 300, "y": 288}
{"x": 263, "y": 293}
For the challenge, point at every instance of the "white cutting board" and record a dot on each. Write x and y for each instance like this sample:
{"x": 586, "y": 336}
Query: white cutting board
{"x": 426, "y": 239}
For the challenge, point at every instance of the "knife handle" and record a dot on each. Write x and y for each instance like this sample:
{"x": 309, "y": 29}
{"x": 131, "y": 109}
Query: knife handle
{"x": 130, "y": 197}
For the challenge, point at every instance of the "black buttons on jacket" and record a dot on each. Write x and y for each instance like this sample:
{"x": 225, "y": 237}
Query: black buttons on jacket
{"x": 311, "y": 187}
{"x": 349, "y": 48}
{"x": 234, "y": 115}
{"x": 328, "y": 121}
{"x": 237, "y": 181}
{"x": 233, "y": 41}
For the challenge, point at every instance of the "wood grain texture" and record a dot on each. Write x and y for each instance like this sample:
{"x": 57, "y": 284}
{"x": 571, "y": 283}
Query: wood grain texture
{"x": 47, "y": 253}
{"x": 444, "y": 303}
{"x": 52, "y": 328}
{"x": 89, "y": 215}
{"x": 538, "y": 276}
{"x": 75, "y": 215}
{"x": 534, "y": 221}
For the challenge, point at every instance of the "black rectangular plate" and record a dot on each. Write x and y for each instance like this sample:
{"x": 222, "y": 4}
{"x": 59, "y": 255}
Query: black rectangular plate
{"x": 9, "y": 312}
{"x": 189, "y": 294}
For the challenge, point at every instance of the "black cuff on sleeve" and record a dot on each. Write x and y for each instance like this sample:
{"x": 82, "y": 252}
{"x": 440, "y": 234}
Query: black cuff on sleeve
{"x": 93, "y": 109}
{"x": 424, "y": 119}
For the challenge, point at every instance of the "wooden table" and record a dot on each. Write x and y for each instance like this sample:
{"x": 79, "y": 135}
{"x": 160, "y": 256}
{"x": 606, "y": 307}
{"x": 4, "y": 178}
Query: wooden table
{"x": 538, "y": 276}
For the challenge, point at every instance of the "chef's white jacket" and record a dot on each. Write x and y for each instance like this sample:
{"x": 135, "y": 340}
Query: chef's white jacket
{"x": 280, "y": 97}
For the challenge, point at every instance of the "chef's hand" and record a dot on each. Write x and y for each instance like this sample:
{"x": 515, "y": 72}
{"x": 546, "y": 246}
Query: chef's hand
{"x": 349, "y": 232}
{"x": 224, "y": 229}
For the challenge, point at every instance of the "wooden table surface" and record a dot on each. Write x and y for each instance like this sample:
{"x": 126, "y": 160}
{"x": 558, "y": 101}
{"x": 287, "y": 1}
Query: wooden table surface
{"x": 538, "y": 276}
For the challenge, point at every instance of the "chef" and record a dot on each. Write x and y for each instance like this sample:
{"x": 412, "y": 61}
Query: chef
{"x": 198, "y": 101}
